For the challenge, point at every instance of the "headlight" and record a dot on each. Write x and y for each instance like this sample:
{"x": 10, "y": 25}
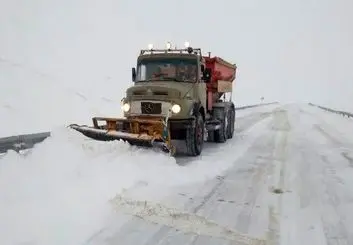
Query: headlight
{"x": 176, "y": 109}
{"x": 125, "y": 107}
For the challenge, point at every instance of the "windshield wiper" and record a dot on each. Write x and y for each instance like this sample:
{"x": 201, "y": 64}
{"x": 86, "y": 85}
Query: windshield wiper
{"x": 165, "y": 79}
{"x": 172, "y": 79}
{"x": 146, "y": 80}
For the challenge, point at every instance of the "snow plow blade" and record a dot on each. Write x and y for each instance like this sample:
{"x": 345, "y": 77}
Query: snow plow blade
{"x": 136, "y": 131}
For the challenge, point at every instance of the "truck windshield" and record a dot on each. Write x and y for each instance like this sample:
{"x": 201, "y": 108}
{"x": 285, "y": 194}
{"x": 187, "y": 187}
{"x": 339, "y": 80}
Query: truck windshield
{"x": 174, "y": 69}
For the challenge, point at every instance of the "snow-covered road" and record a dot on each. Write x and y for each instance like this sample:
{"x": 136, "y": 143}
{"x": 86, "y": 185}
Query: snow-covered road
{"x": 285, "y": 178}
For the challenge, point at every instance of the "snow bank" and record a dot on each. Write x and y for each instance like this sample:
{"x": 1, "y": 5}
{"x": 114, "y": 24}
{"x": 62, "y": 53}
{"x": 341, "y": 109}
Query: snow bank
{"x": 58, "y": 193}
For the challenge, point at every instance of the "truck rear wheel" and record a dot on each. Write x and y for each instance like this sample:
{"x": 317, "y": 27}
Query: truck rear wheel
{"x": 220, "y": 135}
{"x": 195, "y": 137}
{"x": 231, "y": 124}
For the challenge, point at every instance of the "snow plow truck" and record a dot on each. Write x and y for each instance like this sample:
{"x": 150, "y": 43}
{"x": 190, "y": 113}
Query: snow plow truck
{"x": 177, "y": 94}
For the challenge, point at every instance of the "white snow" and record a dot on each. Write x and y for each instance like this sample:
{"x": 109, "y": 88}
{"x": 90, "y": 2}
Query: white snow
{"x": 342, "y": 125}
{"x": 318, "y": 178}
{"x": 52, "y": 74}
{"x": 255, "y": 110}
{"x": 58, "y": 193}
{"x": 32, "y": 102}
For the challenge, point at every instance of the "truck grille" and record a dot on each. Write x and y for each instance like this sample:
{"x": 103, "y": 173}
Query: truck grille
{"x": 151, "y": 108}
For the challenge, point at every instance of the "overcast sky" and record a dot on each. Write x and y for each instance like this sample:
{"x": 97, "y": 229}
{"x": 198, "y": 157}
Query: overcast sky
{"x": 296, "y": 51}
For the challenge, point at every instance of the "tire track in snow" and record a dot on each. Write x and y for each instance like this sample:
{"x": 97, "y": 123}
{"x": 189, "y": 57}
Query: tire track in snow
{"x": 243, "y": 220}
{"x": 253, "y": 180}
{"x": 317, "y": 210}
{"x": 348, "y": 157}
{"x": 220, "y": 180}
{"x": 334, "y": 227}
{"x": 335, "y": 230}
{"x": 282, "y": 128}
{"x": 345, "y": 150}
{"x": 182, "y": 221}
{"x": 210, "y": 197}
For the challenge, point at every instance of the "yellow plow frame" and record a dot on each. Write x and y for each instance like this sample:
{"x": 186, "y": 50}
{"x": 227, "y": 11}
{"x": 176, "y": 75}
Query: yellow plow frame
{"x": 143, "y": 131}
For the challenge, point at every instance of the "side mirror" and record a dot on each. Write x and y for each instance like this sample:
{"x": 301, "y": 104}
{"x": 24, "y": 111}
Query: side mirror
{"x": 133, "y": 74}
{"x": 207, "y": 74}
{"x": 202, "y": 68}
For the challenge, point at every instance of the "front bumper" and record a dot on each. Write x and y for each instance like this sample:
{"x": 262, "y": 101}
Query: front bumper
{"x": 137, "y": 131}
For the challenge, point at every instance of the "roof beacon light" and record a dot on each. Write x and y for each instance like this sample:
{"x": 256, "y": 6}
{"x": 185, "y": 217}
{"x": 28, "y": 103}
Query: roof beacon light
{"x": 169, "y": 45}
{"x": 150, "y": 46}
{"x": 187, "y": 44}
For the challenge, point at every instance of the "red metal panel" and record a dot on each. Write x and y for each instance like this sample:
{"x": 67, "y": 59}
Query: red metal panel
{"x": 220, "y": 70}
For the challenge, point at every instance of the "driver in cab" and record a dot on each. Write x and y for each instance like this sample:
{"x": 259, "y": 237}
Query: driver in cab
{"x": 165, "y": 71}
{"x": 187, "y": 72}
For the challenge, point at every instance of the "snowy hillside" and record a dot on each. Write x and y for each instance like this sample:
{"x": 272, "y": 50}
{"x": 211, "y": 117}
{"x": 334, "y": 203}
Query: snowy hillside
{"x": 32, "y": 101}
{"x": 60, "y": 63}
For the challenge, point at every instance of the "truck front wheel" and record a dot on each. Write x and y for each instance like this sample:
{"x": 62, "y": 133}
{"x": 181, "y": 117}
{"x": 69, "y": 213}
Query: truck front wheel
{"x": 195, "y": 136}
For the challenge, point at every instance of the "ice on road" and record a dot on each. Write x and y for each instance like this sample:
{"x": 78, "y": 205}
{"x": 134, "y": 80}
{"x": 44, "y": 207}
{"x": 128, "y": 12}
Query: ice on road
{"x": 285, "y": 178}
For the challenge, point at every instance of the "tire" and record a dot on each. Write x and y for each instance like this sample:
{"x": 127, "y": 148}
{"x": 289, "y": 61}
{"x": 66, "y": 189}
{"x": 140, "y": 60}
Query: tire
{"x": 195, "y": 136}
{"x": 231, "y": 125}
{"x": 220, "y": 135}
